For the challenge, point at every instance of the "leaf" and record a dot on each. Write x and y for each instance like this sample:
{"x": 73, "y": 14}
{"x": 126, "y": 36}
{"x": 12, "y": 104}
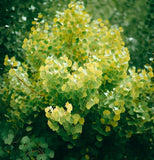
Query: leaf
{"x": 41, "y": 157}
{"x": 6, "y": 60}
{"x": 8, "y": 140}
{"x": 51, "y": 154}
{"x": 25, "y": 140}
{"x": 69, "y": 107}
{"x": 44, "y": 145}
{"x": 81, "y": 121}
{"x": 102, "y": 120}
{"x": 116, "y": 117}
{"x": 76, "y": 129}
{"x": 76, "y": 118}
{"x": 53, "y": 126}
{"x": 29, "y": 128}
{"x": 106, "y": 112}
{"x": 12, "y": 72}
{"x": 89, "y": 104}
{"x": 69, "y": 146}
{"x": 15, "y": 64}
{"x": 13, "y": 59}
{"x": 107, "y": 129}
{"x": 21, "y": 147}
{"x": 99, "y": 138}
{"x": 96, "y": 100}
{"x": 114, "y": 124}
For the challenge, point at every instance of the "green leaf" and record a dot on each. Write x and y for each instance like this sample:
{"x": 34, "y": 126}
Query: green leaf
{"x": 77, "y": 129}
{"x": 51, "y": 154}
{"x": 44, "y": 145}
{"x": 54, "y": 126}
{"x": 25, "y": 140}
{"x": 8, "y": 140}
{"x": 76, "y": 118}
{"x": 21, "y": 147}
{"x": 41, "y": 157}
{"x": 29, "y": 128}
{"x": 99, "y": 138}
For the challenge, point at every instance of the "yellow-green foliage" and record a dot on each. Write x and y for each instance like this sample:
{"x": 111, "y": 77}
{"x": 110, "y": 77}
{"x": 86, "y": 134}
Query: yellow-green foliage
{"x": 80, "y": 68}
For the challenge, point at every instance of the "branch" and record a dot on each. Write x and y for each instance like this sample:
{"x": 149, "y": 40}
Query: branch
{"x": 30, "y": 87}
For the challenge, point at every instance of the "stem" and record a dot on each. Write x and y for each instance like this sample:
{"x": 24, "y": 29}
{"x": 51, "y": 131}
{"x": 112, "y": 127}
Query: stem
{"x": 30, "y": 87}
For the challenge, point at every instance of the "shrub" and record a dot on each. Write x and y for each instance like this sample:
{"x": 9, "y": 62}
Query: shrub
{"x": 75, "y": 94}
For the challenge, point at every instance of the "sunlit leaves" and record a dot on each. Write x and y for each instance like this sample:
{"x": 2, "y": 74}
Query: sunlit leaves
{"x": 58, "y": 117}
{"x": 81, "y": 67}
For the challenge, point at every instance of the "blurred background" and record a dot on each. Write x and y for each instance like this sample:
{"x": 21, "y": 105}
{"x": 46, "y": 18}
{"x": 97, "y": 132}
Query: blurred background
{"x": 135, "y": 16}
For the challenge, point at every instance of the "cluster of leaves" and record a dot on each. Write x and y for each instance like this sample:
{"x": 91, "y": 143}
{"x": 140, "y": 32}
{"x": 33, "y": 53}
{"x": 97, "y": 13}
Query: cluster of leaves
{"x": 74, "y": 94}
{"x": 16, "y": 17}
{"x": 134, "y": 16}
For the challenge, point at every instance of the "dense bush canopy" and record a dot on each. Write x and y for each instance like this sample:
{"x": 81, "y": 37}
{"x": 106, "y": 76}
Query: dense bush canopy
{"x": 75, "y": 96}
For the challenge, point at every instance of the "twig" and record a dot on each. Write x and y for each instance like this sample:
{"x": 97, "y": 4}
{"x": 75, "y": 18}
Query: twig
{"x": 30, "y": 87}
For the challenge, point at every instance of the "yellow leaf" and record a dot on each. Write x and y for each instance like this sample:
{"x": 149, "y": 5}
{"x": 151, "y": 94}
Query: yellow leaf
{"x": 81, "y": 121}
{"x": 69, "y": 63}
{"x": 25, "y": 40}
{"x": 34, "y": 33}
{"x": 12, "y": 72}
{"x": 80, "y": 6}
{"x": 106, "y": 77}
{"x": 114, "y": 124}
{"x": 63, "y": 87}
{"x": 74, "y": 137}
{"x": 96, "y": 100}
{"x": 40, "y": 16}
{"x": 150, "y": 74}
{"x": 102, "y": 120}
{"x": 69, "y": 107}
{"x": 99, "y": 20}
{"x": 15, "y": 64}
{"x": 101, "y": 24}
{"x": 55, "y": 20}
{"x": 129, "y": 84}
{"x": 129, "y": 134}
{"x": 33, "y": 22}
{"x": 32, "y": 28}
{"x": 80, "y": 69}
{"x": 47, "y": 114}
{"x": 73, "y": 41}
{"x": 84, "y": 94}
{"x": 107, "y": 129}
{"x": 13, "y": 59}
{"x": 89, "y": 105}
{"x": 53, "y": 127}
{"x": 116, "y": 103}
{"x": 116, "y": 117}
{"x": 117, "y": 112}
{"x": 41, "y": 68}
{"x": 87, "y": 157}
{"x": 20, "y": 69}
{"x": 120, "y": 28}
{"x": 6, "y": 60}
{"x": 76, "y": 118}
{"x": 106, "y": 112}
